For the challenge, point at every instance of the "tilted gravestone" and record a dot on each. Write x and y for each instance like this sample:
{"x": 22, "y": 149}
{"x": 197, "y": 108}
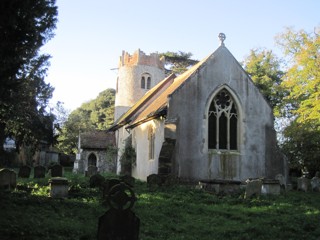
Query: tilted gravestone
{"x": 8, "y": 179}
{"x": 56, "y": 170}
{"x": 119, "y": 222}
{"x": 92, "y": 170}
{"x": 39, "y": 172}
{"x": 24, "y": 172}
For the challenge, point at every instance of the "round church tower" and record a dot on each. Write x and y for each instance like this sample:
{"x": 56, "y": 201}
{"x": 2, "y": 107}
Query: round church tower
{"x": 136, "y": 75}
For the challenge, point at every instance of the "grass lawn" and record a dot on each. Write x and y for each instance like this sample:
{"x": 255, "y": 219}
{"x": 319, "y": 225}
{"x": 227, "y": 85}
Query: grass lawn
{"x": 170, "y": 213}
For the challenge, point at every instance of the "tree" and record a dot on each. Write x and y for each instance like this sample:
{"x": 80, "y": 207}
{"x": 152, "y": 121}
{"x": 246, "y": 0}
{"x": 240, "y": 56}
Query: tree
{"x": 96, "y": 114}
{"x": 178, "y": 62}
{"x": 302, "y": 104}
{"x": 302, "y": 79}
{"x": 25, "y": 26}
{"x": 264, "y": 69}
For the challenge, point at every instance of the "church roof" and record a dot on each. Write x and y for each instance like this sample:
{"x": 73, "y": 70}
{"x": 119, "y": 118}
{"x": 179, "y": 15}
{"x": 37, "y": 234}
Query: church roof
{"x": 154, "y": 103}
{"x": 97, "y": 140}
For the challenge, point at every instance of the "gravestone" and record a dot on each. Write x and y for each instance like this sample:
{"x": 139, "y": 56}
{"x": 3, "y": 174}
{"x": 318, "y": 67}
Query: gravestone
{"x": 154, "y": 180}
{"x": 315, "y": 184}
{"x": 253, "y": 188}
{"x": 8, "y": 179}
{"x": 129, "y": 180}
{"x": 220, "y": 186}
{"x": 24, "y": 172}
{"x": 119, "y": 222}
{"x": 56, "y": 170}
{"x": 282, "y": 181}
{"x": 270, "y": 186}
{"x": 303, "y": 184}
{"x": 92, "y": 170}
{"x": 58, "y": 187}
{"x": 108, "y": 184}
{"x": 96, "y": 181}
{"x": 39, "y": 172}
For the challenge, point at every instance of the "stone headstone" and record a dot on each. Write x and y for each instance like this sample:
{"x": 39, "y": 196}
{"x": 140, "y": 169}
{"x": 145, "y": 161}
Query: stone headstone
{"x": 96, "y": 181}
{"x": 315, "y": 184}
{"x": 56, "y": 170}
{"x": 8, "y": 179}
{"x": 119, "y": 222}
{"x": 39, "y": 172}
{"x": 108, "y": 184}
{"x": 129, "y": 180}
{"x": 154, "y": 180}
{"x": 270, "y": 186}
{"x": 58, "y": 187}
{"x": 303, "y": 184}
{"x": 282, "y": 181}
{"x": 253, "y": 188}
{"x": 92, "y": 170}
{"x": 24, "y": 172}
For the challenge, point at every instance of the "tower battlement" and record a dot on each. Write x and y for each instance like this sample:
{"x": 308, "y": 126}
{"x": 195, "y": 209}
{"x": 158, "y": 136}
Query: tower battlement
{"x": 140, "y": 58}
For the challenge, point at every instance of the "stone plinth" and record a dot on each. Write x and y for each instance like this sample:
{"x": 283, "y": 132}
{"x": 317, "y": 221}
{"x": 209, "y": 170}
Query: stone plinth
{"x": 270, "y": 186}
{"x": 58, "y": 187}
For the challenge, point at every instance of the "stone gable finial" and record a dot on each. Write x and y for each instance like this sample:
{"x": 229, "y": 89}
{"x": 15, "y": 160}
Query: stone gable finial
{"x": 222, "y": 37}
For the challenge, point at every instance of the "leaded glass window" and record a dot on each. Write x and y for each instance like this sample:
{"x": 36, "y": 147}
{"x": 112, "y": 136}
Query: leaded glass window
{"x": 223, "y": 122}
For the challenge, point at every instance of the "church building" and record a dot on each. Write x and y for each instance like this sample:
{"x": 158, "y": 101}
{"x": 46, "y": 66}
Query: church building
{"x": 211, "y": 122}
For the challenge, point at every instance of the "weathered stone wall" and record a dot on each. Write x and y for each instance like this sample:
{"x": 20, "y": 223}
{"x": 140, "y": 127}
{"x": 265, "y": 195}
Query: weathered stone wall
{"x": 189, "y": 105}
{"x": 140, "y": 141}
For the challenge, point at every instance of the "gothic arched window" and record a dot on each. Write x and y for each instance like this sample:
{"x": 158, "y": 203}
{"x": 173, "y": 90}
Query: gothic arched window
{"x": 223, "y": 122}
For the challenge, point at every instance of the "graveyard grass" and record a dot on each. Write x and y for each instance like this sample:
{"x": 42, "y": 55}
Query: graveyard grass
{"x": 171, "y": 213}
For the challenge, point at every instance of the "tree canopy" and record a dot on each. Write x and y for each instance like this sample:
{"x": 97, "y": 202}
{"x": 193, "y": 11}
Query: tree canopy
{"x": 97, "y": 114}
{"x": 265, "y": 71}
{"x": 25, "y": 26}
{"x": 302, "y": 103}
{"x": 178, "y": 62}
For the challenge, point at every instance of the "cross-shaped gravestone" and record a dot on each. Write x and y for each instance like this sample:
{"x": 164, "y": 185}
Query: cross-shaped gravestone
{"x": 119, "y": 222}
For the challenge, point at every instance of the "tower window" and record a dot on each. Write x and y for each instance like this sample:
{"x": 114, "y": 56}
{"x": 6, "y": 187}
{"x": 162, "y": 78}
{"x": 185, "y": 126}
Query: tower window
{"x": 223, "y": 122}
{"x": 145, "y": 81}
{"x": 149, "y": 83}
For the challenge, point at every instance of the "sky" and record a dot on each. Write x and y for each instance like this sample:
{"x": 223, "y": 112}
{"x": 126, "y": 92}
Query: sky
{"x": 91, "y": 35}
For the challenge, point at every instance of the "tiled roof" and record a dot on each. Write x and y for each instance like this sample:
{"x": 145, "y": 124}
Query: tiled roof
{"x": 154, "y": 102}
{"x": 160, "y": 103}
{"x": 97, "y": 139}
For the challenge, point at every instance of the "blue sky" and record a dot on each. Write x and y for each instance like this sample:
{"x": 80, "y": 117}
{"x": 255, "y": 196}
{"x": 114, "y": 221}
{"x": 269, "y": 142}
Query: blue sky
{"x": 91, "y": 35}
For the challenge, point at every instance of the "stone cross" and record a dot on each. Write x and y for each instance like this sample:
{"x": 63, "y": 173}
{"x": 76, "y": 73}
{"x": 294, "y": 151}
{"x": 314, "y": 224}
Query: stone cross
{"x": 222, "y": 37}
{"x": 119, "y": 222}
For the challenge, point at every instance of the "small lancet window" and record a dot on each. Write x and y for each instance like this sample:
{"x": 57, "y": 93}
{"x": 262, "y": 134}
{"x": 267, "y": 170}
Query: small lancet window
{"x": 223, "y": 122}
{"x": 143, "y": 82}
{"x": 146, "y": 81}
{"x": 149, "y": 83}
